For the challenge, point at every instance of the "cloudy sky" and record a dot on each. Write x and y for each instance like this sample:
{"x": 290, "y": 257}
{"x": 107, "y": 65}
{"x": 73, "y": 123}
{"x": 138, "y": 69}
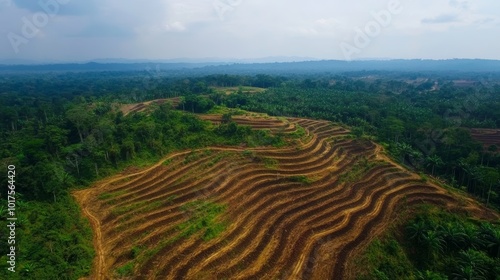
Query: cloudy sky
{"x": 76, "y": 30}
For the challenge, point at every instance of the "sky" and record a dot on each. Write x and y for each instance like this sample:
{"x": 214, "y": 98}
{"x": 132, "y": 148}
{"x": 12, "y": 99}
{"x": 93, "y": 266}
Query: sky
{"x": 81, "y": 30}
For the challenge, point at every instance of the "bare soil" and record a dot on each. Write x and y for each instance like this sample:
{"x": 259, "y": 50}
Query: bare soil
{"x": 277, "y": 227}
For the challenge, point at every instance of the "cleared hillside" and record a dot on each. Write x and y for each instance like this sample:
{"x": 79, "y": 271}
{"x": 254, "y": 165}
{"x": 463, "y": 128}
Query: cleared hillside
{"x": 297, "y": 212}
{"x": 487, "y": 137}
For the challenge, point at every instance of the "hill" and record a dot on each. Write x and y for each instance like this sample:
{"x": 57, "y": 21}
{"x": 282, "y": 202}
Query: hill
{"x": 452, "y": 66}
{"x": 297, "y": 212}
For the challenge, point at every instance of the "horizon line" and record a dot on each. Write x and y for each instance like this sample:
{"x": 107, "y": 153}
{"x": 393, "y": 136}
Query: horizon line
{"x": 263, "y": 60}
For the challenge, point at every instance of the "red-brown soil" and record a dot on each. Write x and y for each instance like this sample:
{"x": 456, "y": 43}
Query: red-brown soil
{"x": 278, "y": 227}
{"x": 140, "y": 107}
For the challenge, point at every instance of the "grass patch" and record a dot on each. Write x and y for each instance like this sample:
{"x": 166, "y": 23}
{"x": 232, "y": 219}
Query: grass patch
{"x": 423, "y": 177}
{"x": 357, "y": 171}
{"x": 170, "y": 199}
{"x": 144, "y": 255}
{"x": 124, "y": 209}
{"x": 218, "y": 158}
{"x": 167, "y": 162}
{"x": 192, "y": 156}
{"x": 248, "y": 154}
{"x": 301, "y": 179}
{"x": 150, "y": 207}
{"x": 105, "y": 196}
{"x": 196, "y": 155}
{"x": 135, "y": 251}
{"x": 264, "y": 137}
{"x": 385, "y": 258}
{"x": 270, "y": 163}
{"x": 203, "y": 216}
{"x": 221, "y": 110}
{"x": 298, "y": 133}
{"x": 126, "y": 269}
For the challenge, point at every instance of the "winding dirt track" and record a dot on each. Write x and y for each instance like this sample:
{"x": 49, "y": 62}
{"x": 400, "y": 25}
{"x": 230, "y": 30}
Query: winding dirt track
{"x": 299, "y": 212}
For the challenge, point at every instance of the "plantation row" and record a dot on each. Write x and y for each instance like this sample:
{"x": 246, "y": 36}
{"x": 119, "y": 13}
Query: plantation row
{"x": 297, "y": 212}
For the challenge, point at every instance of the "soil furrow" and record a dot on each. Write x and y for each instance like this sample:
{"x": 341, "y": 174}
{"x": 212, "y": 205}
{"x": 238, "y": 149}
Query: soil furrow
{"x": 309, "y": 202}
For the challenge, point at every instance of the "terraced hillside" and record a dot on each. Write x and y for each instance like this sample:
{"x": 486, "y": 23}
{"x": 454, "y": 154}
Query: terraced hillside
{"x": 298, "y": 212}
{"x": 141, "y": 107}
{"x": 487, "y": 137}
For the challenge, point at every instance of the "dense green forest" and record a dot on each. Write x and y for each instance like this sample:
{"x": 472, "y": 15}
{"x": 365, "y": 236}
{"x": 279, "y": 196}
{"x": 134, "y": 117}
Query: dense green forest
{"x": 433, "y": 244}
{"x": 64, "y": 131}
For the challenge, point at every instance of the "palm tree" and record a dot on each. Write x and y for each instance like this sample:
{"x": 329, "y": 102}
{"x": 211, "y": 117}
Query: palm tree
{"x": 434, "y": 161}
{"x": 470, "y": 265}
{"x": 62, "y": 180}
{"x": 403, "y": 150}
{"x": 434, "y": 241}
{"x": 28, "y": 267}
{"x": 417, "y": 230}
{"x": 465, "y": 169}
{"x": 430, "y": 275}
{"x": 453, "y": 235}
{"x": 490, "y": 238}
{"x": 466, "y": 273}
{"x": 21, "y": 203}
{"x": 476, "y": 175}
{"x": 471, "y": 238}
{"x": 492, "y": 152}
{"x": 489, "y": 178}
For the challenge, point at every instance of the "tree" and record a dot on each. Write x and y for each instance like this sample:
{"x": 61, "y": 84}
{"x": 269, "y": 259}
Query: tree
{"x": 453, "y": 235}
{"x": 226, "y": 118}
{"x": 404, "y": 150}
{"x": 430, "y": 275}
{"x": 61, "y": 179}
{"x": 490, "y": 237}
{"x": 82, "y": 118}
{"x": 471, "y": 238}
{"x": 466, "y": 272}
{"x": 466, "y": 170}
{"x": 434, "y": 161}
{"x": 55, "y": 139}
{"x": 9, "y": 117}
{"x": 197, "y": 104}
{"x": 394, "y": 127}
{"x": 416, "y": 230}
{"x": 471, "y": 265}
{"x": 493, "y": 149}
{"x": 433, "y": 240}
{"x": 489, "y": 177}
{"x": 73, "y": 156}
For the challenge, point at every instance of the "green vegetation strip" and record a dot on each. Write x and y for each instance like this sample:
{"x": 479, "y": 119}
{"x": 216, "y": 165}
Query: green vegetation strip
{"x": 357, "y": 171}
{"x": 105, "y": 196}
{"x": 203, "y": 216}
{"x": 299, "y": 132}
{"x": 301, "y": 179}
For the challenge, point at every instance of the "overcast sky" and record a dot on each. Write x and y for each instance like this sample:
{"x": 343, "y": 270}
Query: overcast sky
{"x": 76, "y": 30}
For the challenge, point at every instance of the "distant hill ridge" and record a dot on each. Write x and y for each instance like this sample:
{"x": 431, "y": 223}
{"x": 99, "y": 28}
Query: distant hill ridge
{"x": 322, "y": 66}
